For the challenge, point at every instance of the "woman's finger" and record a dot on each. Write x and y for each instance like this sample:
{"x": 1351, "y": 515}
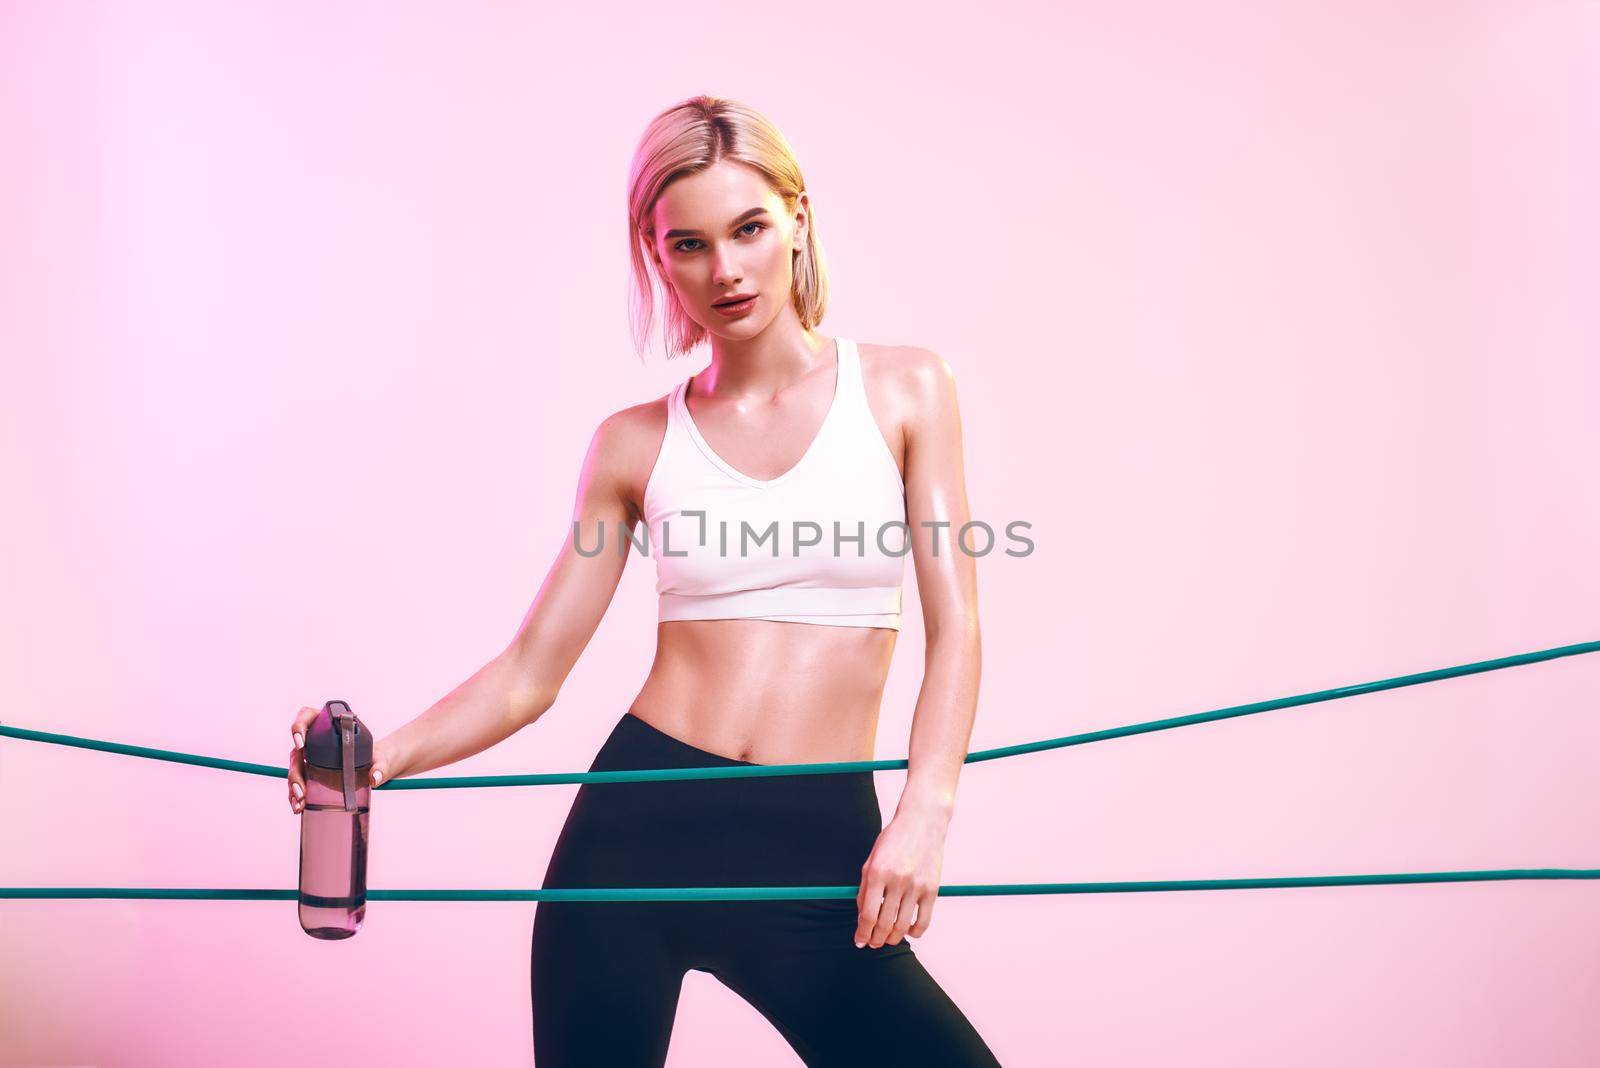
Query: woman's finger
{"x": 887, "y": 915}
{"x": 869, "y": 899}
{"x": 908, "y": 913}
{"x": 301, "y": 724}
{"x": 297, "y": 786}
{"x": 924, "y": 913}
{"x": 297, "y": 734}
{"x": 379, "y": 772}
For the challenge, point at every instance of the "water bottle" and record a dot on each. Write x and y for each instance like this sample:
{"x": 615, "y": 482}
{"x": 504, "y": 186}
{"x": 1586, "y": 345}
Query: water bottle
{"x": 333, "y": 825}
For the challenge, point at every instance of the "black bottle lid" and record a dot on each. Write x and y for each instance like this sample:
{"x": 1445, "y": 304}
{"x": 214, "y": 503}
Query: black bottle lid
{"x": 323, "y": 746}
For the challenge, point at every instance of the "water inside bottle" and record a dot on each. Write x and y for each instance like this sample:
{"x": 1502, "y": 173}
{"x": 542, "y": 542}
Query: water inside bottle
{"x": 333, "y": 860}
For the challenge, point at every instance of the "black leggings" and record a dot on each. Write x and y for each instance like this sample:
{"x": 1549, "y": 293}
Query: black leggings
{"x": 606, "y": 974}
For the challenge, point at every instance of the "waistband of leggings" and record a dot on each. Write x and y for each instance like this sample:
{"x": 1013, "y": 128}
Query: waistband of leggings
{"x": 638, "y": 734}
{"x": 635, "y": 743}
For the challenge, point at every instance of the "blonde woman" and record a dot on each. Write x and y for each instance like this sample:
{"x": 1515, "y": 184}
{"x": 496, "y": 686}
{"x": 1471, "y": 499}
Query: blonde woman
{"x": 779, "y": 491}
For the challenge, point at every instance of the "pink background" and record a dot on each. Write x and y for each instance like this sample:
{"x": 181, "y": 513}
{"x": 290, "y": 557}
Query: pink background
{"x": 1275, "y": 321}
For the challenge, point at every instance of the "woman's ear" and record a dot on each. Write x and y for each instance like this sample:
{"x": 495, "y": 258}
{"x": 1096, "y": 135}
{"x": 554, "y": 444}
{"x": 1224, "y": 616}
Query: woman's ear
{"x": 646, "y": 239}
{"x": 802, "y": 217}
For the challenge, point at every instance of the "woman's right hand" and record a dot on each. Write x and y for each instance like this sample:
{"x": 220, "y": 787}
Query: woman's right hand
{"x": 297, "y": 781}
{"x": 383, "y": 758}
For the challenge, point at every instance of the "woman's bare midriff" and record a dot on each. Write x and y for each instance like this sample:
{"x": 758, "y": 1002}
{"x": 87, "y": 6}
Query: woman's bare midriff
{"x": 768, "y": 692}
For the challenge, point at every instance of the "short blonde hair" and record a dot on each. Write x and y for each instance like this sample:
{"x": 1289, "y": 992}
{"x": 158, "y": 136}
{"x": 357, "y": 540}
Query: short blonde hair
{"x": 686, "y": 139}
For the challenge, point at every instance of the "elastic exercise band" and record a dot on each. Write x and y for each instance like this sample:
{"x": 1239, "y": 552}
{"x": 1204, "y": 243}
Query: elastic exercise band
{"x": 766, "y": 893}
{"x": 443, "y": 782}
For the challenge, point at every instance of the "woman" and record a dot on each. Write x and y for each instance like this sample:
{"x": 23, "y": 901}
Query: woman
{"x": 779, "y": 491}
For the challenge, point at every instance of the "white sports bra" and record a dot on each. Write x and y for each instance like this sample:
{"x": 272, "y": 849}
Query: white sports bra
{"x": 825, "y": 542}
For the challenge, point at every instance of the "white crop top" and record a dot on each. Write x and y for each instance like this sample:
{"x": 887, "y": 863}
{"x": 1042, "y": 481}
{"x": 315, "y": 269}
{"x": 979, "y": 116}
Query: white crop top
{"x": 825, "y": 542}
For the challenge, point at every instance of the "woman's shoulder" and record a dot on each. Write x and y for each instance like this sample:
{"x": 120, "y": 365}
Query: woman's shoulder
{"x": 628, "y": 440}
{"x": 636, "y": 424}
{"x": 907, "y": 374}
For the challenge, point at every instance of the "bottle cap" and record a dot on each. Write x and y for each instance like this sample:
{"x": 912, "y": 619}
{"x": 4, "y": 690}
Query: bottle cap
{"x": 323, "y": 745}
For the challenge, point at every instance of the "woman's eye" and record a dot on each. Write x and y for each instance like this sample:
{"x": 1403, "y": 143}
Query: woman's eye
{"x": 688, "y": 240}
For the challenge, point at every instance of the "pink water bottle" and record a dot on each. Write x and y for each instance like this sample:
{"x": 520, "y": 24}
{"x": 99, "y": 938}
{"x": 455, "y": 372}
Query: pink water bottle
{"x": 333, "y": 826}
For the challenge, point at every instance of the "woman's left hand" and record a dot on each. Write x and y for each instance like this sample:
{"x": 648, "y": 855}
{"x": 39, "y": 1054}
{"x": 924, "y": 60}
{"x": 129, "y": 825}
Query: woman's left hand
{"x": 900, "y": 880}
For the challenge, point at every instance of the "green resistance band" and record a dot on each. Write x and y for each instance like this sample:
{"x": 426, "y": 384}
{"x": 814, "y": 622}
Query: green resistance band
{"x": 768, "y": 893}
{"x": 791, "y": 892}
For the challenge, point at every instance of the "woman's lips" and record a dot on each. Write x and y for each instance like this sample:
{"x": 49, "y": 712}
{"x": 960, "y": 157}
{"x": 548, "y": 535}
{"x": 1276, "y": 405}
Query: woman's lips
{"x": 730, "y": 310}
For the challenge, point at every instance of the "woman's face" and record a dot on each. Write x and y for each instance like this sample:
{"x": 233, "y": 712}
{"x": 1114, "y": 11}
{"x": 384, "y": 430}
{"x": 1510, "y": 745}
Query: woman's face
{"x": 724, "y": 233}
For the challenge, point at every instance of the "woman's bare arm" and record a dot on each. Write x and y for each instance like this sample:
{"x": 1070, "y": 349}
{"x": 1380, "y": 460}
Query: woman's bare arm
{"x": 936, "y": 510}
{"x": 900, "y": 880}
